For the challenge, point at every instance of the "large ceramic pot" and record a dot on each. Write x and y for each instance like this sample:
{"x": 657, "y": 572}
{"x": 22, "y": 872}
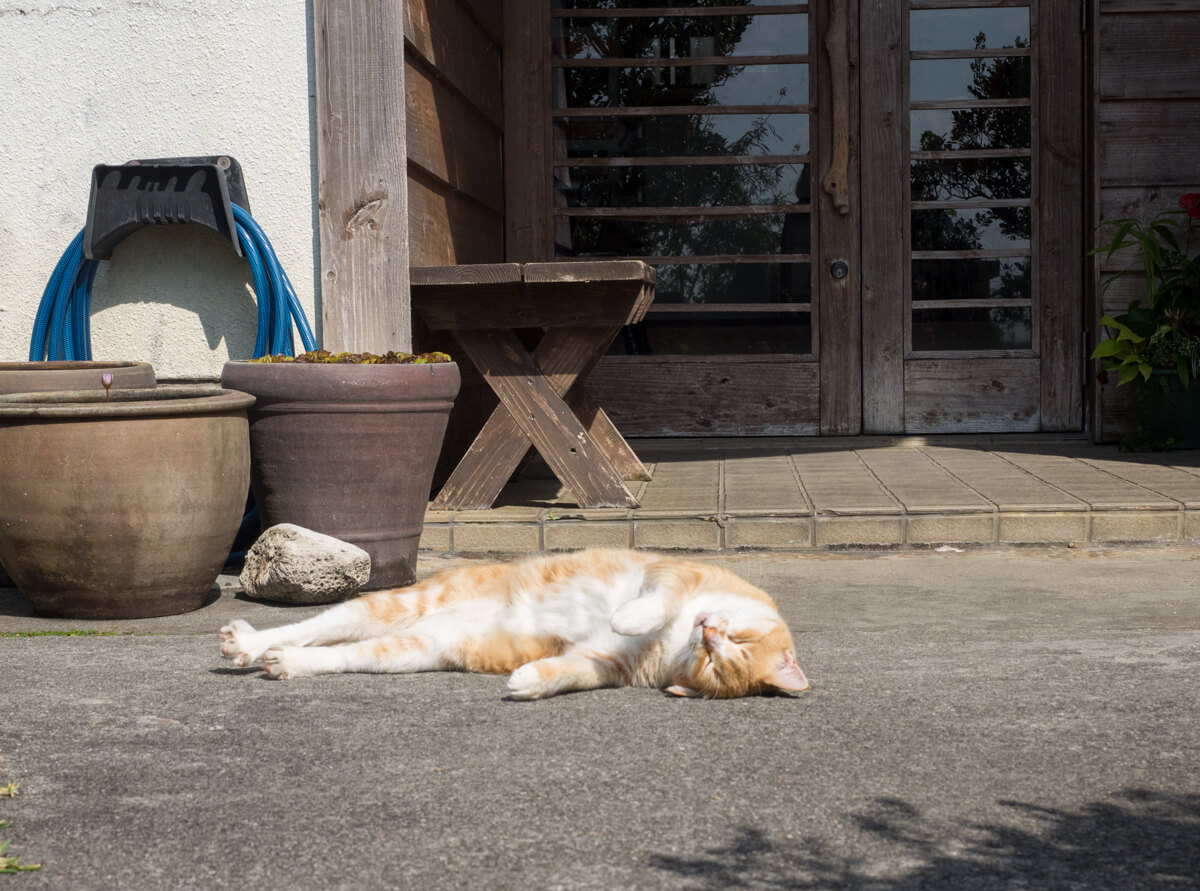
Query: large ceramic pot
{"x": 38, "y": 377}
{"x": 349, "y": 451}
{"x": 42, "y": 377}
{"x": 125, "y": 508}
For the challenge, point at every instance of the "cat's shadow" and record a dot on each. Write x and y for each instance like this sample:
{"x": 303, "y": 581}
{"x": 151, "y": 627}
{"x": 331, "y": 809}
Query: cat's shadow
{"x": 237, "y": 671}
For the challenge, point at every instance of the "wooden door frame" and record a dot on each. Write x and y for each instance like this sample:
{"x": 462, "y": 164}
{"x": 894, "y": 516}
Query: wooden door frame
{"x": 884, "y": 87}
{"x": 838, "y": 329}
{"x": 1060, "y": 156}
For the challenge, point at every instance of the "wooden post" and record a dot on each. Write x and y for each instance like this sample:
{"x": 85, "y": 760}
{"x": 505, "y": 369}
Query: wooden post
{"x": 528, "y": 223}
{"x": 362, "y": 189}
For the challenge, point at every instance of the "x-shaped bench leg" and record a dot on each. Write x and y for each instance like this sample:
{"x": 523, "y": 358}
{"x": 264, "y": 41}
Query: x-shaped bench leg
{"x": 589, "y": 462}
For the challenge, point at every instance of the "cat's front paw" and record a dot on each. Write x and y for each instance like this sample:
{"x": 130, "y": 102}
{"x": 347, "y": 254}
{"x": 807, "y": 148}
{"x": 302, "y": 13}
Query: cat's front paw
{"x": 639, "y": 616}
{"x": 526, "y": 683}
{"x": 236, "y": 642}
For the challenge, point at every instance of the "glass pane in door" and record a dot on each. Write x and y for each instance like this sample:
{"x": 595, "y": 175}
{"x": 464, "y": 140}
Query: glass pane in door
{"x": 972, "y": 188}
{"x": 683, "y": 139}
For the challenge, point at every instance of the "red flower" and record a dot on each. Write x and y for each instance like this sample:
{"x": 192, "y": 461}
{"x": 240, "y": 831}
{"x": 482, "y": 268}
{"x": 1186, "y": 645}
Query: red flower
{"x": 1191, "y": 203}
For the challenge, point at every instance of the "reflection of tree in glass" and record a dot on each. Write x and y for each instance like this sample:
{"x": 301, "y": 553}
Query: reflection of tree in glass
{"x": 983, "y": 128}
{"x": 980, "y": 179}
{"x": 700, "y": 186}
{"x": 648, "y": 38}
{"x": 644, "y": 4}
{"x": 673, "y": 186}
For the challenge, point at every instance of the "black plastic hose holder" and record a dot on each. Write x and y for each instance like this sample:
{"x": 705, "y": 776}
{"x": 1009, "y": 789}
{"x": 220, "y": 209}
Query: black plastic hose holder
{"x": 126, "y": 197}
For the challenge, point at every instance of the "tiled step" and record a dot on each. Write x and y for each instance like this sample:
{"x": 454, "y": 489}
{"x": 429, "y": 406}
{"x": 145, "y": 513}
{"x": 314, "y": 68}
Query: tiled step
{"x": 803, "y": 494}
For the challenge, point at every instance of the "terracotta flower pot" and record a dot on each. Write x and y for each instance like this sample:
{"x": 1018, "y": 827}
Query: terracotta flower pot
{"x": 121, "y": 509}
{"x": 349, "y": 451}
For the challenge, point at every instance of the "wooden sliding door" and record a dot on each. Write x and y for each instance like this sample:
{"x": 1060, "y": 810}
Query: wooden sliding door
{"x": 972, "y": 243}
{"x": 860, "y": 211}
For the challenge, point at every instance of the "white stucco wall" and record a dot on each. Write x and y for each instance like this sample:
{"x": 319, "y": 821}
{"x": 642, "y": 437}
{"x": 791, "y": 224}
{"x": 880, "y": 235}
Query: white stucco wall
{"x": 86, "y": 82}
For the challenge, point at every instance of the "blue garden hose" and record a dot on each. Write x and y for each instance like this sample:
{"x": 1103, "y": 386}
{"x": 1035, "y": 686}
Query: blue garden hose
{"x": 61, "y": 330}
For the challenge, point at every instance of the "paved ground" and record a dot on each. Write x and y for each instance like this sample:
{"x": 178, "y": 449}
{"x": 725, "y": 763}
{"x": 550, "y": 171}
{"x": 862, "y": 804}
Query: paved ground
{"x": 988, "y": 719}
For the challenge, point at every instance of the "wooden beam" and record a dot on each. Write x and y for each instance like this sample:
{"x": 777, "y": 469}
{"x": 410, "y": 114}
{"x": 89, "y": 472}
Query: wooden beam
{"x": 1060, "y": 261}
{"x": 885, "y": 264}
{"x": 529, "y": 225}
{"x": 362, "y": 190}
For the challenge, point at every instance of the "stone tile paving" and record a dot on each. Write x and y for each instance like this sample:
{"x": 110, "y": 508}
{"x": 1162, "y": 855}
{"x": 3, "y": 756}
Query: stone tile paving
{"x": 891, "y": 492}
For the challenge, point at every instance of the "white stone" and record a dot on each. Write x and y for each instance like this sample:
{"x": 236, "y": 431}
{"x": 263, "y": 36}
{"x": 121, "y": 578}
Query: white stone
{"x": 291, "y": 564}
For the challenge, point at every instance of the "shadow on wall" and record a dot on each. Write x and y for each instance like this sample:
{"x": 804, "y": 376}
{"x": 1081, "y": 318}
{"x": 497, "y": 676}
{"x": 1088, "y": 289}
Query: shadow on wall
{"x": 1140, "y": 839}
{"x": 188, "y": 267}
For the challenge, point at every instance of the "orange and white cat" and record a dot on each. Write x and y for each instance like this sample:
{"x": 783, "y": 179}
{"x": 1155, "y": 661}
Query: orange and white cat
{"x": 596, "y": 618}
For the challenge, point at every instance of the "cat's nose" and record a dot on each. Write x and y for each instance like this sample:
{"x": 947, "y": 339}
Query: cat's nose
{"x": 701, "y": 619}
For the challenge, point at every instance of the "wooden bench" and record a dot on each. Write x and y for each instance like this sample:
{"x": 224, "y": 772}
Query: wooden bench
{"x": 543, "y": 402}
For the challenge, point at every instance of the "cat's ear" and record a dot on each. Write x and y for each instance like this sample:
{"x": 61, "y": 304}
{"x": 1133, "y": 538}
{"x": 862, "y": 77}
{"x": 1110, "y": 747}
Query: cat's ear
{"x": 676, "y": 690}
{"x": 787, "y": 675}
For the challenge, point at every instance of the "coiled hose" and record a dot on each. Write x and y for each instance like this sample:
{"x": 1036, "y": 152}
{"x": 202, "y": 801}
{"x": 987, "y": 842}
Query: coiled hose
{"x": 61, "y": 330}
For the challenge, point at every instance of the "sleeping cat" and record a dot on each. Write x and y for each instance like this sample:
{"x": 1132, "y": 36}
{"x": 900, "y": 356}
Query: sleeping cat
{"x": 596, "y": 618}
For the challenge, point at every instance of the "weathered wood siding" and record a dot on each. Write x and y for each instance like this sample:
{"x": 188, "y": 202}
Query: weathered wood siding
{"x": 455, "y": 131}
{"x": 1146, "y": 113}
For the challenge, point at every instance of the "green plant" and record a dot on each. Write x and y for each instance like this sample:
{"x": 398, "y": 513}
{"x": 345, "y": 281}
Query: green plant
{"x": 1164, "y": 331}
{"x": 325, "y": 357}
{"x": 11, "y": 865}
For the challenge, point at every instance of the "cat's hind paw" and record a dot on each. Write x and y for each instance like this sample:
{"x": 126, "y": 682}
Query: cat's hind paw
{"x": 642, "y": 615}
{"x": 236, "y": 642}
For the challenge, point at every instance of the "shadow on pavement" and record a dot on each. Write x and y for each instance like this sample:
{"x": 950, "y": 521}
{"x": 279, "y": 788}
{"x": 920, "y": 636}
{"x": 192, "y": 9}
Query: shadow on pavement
{"x": 1140, "y": 839}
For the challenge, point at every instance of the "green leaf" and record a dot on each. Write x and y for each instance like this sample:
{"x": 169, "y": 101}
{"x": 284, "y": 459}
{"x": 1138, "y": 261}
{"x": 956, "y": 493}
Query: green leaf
{"x": 1124, "y": 332}
{"x": 1118, "y": 240}
{"x": 12, "y": 865}
{"x": 1110, "y": 347}
{"x": 1166, "y": 234}
{"x": 1128, "y": 373}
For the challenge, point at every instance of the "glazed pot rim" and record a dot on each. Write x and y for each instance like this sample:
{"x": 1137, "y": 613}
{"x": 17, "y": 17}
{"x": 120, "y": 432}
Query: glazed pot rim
{"x": 131, "y": 402}
{"x": 71, "y": 365}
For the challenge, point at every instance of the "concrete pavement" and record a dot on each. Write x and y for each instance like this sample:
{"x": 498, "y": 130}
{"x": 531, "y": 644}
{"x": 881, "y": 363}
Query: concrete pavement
{"x": 1020, "y": 718}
